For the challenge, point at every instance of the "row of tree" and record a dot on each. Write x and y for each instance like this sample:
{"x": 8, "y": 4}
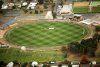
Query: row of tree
{"x": 86, "y": 46}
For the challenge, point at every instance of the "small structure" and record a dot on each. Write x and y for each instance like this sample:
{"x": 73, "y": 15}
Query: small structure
{"x": 7, "y": 6}
{"x": 34, "y": 63}
{"x": 24, "y": 4}
{"x": 66, "y": 9}
{"x": 23, "y": 48}
{"x": 10, "y": 64}
{"x": 11, "y": 4}
{"x": 93, "y": 62}
{"x": 75, "y": 63}
{"x": 49, "y": 15}
{"x": 51, "y": 28}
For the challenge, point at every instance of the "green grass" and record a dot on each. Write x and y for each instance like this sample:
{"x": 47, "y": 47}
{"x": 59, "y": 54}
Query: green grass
{"x": 80, "y": 9}
{"x": 96, "y": 6}
{"x": 39, "y": 34}
{"x": 12, "y": 54}
{"x": 85, "y": 9}
{"x": 95, "y": 3}
{"x": 95, "y": 9}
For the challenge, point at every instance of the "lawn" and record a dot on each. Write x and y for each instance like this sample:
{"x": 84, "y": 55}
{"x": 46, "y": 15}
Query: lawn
{"x": 95, "y": 3}
{"x": 39, "y": 34}
{"x": 12, "y": 54}
{"x": 80, "y": 7}
{"x": 83, "y": 9}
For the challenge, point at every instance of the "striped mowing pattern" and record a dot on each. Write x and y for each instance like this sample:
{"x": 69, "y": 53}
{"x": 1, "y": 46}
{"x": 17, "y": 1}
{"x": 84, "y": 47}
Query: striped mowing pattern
{"x": 39, "y": 34}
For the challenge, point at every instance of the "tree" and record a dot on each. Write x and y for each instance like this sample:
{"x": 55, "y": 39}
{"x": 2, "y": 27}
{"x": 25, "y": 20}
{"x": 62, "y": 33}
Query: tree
{"x": 64, "y": 51}
{"x": 16, "y": 63}
{"x": 97, "y": 53}
{"x": 90, "y": 46}
{"x": 40, "y": 1}
{"x": 26, "y": 64}
{"x": 97, "y": 28}
{"x": 75, "y": 47}
{"x": 84, "y": 59}
{"x": 91, "y": 52}
{"x": 1, "y": 3}
{"x": 3, "y": 64}
{"x": 96, "y": 37}
{"x": 86, "y": 46}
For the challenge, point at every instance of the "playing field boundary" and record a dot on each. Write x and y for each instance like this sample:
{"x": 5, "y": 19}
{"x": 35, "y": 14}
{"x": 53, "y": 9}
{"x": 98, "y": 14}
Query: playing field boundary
{"x": 88, "y": 33}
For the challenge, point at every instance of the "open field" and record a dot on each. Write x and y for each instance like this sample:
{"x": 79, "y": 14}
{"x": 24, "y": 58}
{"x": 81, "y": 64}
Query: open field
{"x": 46, "y": 34}
{"x": 95, "y": 3}
{"x": 12, "y": 54}
{"x": 83, "y": 7}
{"x": 80, "y": 7}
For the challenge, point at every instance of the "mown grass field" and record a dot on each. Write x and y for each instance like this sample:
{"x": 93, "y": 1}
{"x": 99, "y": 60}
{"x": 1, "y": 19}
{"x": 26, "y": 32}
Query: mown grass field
{"x": 39, "y": 34}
